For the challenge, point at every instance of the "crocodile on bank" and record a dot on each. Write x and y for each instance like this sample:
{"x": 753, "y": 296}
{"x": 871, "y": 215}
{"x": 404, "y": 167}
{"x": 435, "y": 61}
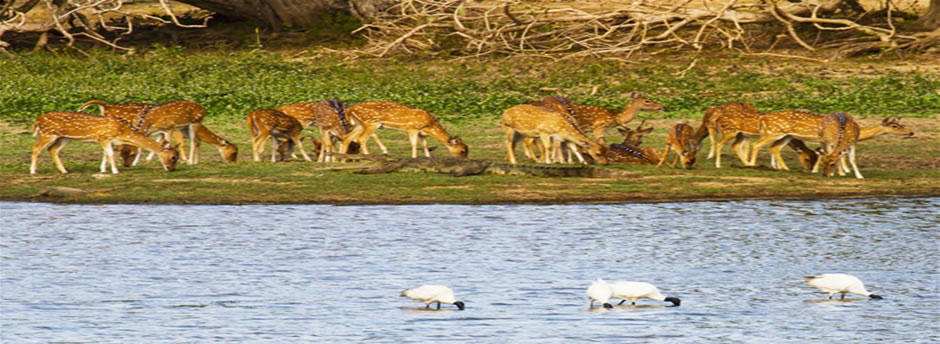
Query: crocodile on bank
{"x": 468, "y": 167}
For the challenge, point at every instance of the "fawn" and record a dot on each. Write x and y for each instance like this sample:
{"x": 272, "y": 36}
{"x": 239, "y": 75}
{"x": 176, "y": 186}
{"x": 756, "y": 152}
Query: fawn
{"x": 130, "y": 112}
{"x": 329, "y": 116}
{"x": 417, "y": 123}
{"x": 532, "y": 121}
{"x": 56, "y": 129}
{"x": 273, "y": 124}
{"x": 838, "y": 134}
{"x": 680, "y": 139}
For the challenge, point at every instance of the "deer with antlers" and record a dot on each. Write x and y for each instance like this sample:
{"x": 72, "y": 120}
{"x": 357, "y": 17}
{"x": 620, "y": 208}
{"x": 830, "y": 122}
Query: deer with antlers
{"x": 418, "y": 123}
{"x": 131, "y": 113}
{"x": 680, "y": 140}
{"x": 329, "y": 116}
{"x": 56, "y": 129}
{"x": 267, "y": 123}
{"x": 533, "y": 121}
{"x": 630, "y": 150}
{"x": 838, "y": 134}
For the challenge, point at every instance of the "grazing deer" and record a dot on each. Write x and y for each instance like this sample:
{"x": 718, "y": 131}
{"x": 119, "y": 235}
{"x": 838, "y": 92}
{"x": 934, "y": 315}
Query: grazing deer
{"x": 742, "y": 124}
{"x": 417, "y": 123}
{"x": 779, "y": 128}
{"x": 838, "y": 134}
{"x": 532, "y": 121}
{"x": 680, "y": 139}
{"x": 173, "y": 115}
{"x": 131, "y": 112}
{"x": 708, "y": 127}
{"x": 273, "y": 124}
{"x": 329, "y": 116}
{"x": 56, "y": 129}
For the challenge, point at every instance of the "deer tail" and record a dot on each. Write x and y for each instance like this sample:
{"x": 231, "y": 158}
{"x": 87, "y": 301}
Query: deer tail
{"x": 90, "y": 103}
{"x": 250, "y": 120}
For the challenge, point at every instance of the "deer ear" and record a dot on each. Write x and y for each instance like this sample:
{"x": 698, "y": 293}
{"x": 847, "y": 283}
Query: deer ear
{"x": 454, "y": 140}
{"x": 623, "y": 131}
{"x": 635, "y": 94}
{"x": 887, "y": 121}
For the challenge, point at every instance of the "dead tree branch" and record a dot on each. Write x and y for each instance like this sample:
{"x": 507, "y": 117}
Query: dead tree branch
{"x": 474, "y": 28}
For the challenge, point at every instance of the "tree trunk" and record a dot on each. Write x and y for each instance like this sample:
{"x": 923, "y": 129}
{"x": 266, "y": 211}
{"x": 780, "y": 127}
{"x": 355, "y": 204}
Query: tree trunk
{"x": 931, "y": 19}
{"x": 296, "y": 13}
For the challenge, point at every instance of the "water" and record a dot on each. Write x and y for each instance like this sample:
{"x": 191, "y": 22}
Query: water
{"x": 144, "y": 273}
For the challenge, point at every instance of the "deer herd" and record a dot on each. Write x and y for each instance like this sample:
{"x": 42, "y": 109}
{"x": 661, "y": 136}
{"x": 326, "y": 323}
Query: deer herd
{"x": 553, "y": 130}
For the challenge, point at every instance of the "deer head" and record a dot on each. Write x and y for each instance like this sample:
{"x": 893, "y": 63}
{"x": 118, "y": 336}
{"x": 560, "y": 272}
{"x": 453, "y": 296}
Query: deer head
{"x": 893, "y": 126}
{"x": 457, "y": 147}
{"x": 634, "y": 137}
{"x": 169, "y": 156}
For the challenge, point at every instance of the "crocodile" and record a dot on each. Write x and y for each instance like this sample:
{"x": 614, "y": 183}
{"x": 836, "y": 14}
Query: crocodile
{"x": 375, "y": 164}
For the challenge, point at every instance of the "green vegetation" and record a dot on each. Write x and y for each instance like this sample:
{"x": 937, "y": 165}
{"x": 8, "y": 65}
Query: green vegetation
{"x": 232, "y": 84}
{"x": 469, "y": 97}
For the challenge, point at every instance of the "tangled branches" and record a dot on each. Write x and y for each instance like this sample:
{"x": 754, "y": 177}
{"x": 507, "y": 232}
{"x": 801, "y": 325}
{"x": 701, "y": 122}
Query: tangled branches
{"x": 474, "y": 28}
{"x": 102, "y": 21}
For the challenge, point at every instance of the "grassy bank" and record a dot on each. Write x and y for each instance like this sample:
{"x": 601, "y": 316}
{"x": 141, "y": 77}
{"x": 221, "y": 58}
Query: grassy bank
{"x": 469, "y": 97}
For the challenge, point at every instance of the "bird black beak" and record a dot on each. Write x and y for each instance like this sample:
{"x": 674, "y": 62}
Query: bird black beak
{"x": 675, "y": 301}
{"x": 875, "y": 297}
{"x": 608, "y": 306}
{"x": 459, "y": 305}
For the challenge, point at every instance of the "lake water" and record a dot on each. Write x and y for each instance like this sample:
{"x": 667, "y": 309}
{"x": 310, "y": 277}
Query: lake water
{"x": 319, "y": 273}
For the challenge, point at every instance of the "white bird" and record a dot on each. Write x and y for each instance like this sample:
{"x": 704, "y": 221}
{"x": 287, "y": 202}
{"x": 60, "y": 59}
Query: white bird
{"x": 433, "y": 293}
{"x": 632, "y": 291}
{"x": 839, "y": 283}
{"x": 599, "y": 291}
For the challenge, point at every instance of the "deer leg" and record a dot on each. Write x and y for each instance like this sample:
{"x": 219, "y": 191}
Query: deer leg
{"x": 192, "y": 142}
{"x": 721, "y": 143}
{"x": 367, "y": 132}
{"x": 510, "y": 144}
{"x": 755, "y": 148}
{"x": 109, "y": 152}
{"x": 527, "y": 144}
{"x": 300, "y": 145}
{"x": 574, "y": 148}
{"x": 54, "y": 149}
{"x": 327, "y": 144}
{"x": 413, "y": 138}
{"x": 776, "y": 159}
{"x": 547, "y": 142}
{"x": 44, "y": 141}
{"x": 379, "y": 142}
{"x": 350, "y": 137}
{"x": 557, "y": 154}
{"x": 739, "y": 145}
{"x": 852, "y": 161}
{"x": 712, "y": 135}
{"x": 274, "y": 148}
{"x": 677, "y": 158}
{"x": 424, "y": 143}
{"x": 665, "y": 154}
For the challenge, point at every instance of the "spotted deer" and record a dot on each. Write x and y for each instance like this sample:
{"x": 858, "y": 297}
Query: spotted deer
{"x": 630, "y": 150}
{"x": 131, "y": 112}
{"x": 532, "y": 121}
{"x": 779, "y": 128}
{"x": 417, "y": 123}
{"x": 742, "y": 124}
{"x": 56, "y": 129}
{"x": 267, "y": 123}
{"x": 838, "y": 134}
{"x": 286, "y": 147}
{"x": 680, "y": 140}
{"x": 708, "y": 128}
{"x": 329, "y": 116}
{"x": 173, "y": 115}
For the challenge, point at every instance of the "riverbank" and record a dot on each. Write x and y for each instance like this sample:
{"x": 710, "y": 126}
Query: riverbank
{"x": 892, "y": 166}
{"x": 468, "y": 97}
